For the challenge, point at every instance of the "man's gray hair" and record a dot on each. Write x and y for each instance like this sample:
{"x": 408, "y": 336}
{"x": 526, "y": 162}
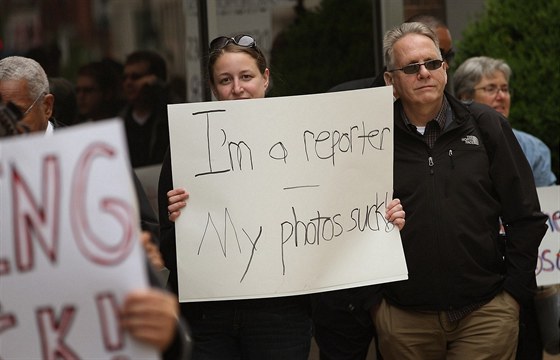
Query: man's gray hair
{"x": 398, "y": 32}
{"x": 22, "y": 68}
{"x": 472, "y": 70}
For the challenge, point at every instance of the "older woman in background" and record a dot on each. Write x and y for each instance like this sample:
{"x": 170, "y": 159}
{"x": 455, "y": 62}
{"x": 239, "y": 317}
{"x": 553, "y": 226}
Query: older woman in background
{"x": 486, "y": 80}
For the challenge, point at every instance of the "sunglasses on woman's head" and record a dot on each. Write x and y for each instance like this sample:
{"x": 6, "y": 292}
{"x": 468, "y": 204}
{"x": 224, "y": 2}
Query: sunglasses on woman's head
{"x": 241, "y": 40}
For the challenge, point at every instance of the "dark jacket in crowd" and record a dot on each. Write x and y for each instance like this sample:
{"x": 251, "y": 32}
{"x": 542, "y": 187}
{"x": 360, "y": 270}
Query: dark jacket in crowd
{"x": 147, "y": 143}
{"x": 455, "y": 194}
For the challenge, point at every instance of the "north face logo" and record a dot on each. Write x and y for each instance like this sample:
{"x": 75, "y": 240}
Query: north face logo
{"x": 470, "y": 140}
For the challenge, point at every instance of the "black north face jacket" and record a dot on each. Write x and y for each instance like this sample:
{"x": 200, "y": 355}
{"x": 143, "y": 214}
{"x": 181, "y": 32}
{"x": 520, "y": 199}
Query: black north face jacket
{"x": 454, "y": 196}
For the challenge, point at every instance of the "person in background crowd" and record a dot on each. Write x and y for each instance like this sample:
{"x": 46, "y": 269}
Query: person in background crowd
{"x": 459, "y": 172}
{"x": 270, "y": 328}
{"x": 446, "y": 48}
{"x": 486, "y": 80}
{"x": 237, "y": 70}
{"x": 65, "y": 108}
{"x": 145, "y": 115}
{"x": 342, "y": 325}
{"x": 98, "y": 91}
{"x": 150, "y": 314}
{"x": 24, "y": 83}
{"x": 49, "y": 56}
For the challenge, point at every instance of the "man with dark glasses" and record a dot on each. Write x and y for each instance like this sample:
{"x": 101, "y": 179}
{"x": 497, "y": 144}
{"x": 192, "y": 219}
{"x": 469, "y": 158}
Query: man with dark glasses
{"x": 457, "y": 172}
{"x": 445, "y": 46}
{"x": 415, "y": 68}
{"x": 145, "y": 114}
{"x": 343, "y": 328}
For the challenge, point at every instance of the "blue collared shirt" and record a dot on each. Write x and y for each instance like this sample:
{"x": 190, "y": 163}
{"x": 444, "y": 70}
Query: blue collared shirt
{"x": 538, "y": 155}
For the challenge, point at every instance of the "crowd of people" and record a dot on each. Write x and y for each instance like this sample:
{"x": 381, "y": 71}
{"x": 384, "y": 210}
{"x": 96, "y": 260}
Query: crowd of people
{"x": 464, "y": 181}
{"x": 137, "y": 91}
{"x": 150, "y": 314}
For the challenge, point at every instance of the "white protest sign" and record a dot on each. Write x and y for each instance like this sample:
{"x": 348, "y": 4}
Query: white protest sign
{"x": 69, "y": 247}
{"x": 548, "y": 263}
{"x": 287, "y": 195}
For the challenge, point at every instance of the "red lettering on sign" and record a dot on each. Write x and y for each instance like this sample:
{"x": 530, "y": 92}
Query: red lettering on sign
{"x": 93, "y": 247}
{"x": 33, "y": 219}
{"x": 52, "y": 332}
{"x": 113, "y": 336}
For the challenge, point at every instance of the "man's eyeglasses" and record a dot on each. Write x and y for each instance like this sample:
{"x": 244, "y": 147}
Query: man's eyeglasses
{"x": 32, "y": 105}
{"x": 494, "y": 89}
{"x": 241, "y": 40}
{"x": 415, "y": 68}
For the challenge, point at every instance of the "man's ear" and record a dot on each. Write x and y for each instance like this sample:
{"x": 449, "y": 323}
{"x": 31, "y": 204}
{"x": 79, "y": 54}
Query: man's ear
{"x": 388, "y": 78}
{"x": 48, "y": 103}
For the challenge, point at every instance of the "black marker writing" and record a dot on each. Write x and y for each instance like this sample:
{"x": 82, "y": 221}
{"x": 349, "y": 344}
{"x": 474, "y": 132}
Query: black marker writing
{"x": 253, "y": 249}
{"x": 278, "y": 152}
{"x": 208, "y": 143}
{"x": 223, "y": 245}
{"x": 370, "y": 218}
{"x": 325, "y": 144}
{"x": 236, "y": 150}
{"x": 308, "y": 233}
{"x": 299, "y": 187}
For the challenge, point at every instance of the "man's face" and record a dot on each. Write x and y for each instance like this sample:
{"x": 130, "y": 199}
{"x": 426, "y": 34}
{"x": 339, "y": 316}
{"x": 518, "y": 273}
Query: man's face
{"x": 37, "y": 111}
{"x": 424, "y": 87}
{"x": 136, "y": 76}
{"x": 89, "y": 96}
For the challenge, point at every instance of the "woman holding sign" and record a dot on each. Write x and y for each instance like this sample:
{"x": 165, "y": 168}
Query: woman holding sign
{"x": 272, "y": 328}
{"x": 268, "y": 328}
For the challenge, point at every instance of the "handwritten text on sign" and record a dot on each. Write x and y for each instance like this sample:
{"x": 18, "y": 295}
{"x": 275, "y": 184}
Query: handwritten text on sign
{"x": 548, "y": 263}
{"x": 287, "y": 195}
{"x": 69, "y": 247}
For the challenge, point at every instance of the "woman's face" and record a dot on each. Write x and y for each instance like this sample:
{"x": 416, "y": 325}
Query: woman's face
{"x": 236, "y": 76}
{"x": 490, "y": 91}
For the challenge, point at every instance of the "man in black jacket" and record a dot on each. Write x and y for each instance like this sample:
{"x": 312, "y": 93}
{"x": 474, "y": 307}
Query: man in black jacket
{"x": 458, "y": 172}
{"x": 446, "y": 48}
{"x": 342, "y": 325}
{"x": 145, "y": 114}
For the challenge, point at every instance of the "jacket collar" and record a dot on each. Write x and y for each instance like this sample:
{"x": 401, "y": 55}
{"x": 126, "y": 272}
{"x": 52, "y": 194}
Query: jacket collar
{"x": 460, "y": 112}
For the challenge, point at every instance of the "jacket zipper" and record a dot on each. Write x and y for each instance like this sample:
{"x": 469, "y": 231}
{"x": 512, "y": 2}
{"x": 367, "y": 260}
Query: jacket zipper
{"x": 431, "y": 165}
{"x": 451, "y": 158}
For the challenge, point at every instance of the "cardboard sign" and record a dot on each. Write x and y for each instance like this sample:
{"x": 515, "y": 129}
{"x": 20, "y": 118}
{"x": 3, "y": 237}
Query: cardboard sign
{"x": 69, "y": 248}
{"x": 548, "y": 263}
{"x": 287, "y": 195}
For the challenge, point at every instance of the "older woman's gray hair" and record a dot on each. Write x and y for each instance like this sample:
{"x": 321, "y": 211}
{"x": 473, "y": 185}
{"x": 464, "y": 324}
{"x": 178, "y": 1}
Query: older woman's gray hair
{"x": 398, "y": 32}
{"x": 21, "y": 68}
{"x": 471, "y": 72}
